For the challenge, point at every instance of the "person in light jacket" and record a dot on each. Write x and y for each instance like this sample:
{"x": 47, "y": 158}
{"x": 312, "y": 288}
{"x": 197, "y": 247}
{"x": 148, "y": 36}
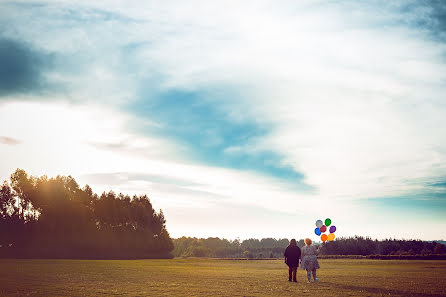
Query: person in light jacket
{"x": 309, "y": 259}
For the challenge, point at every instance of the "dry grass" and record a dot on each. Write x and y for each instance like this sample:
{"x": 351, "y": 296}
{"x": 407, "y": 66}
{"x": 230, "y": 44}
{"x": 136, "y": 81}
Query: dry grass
{"x": 210, "y": 277}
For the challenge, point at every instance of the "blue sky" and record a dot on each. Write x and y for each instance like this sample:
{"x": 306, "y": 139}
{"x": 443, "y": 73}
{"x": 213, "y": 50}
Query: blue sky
{"x": 274, "y": 114}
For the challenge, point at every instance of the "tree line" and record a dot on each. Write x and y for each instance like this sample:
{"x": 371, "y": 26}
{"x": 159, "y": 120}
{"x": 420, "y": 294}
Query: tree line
{"x": 274, "y": 248}
{"x": 224, "y": 248}
{"x": 364, "y": 246}
{"x": 54, "y": 217}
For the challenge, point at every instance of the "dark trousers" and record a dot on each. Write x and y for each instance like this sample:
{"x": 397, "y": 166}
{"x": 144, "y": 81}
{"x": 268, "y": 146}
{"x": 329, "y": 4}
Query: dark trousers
{"x": 292, "y": 272}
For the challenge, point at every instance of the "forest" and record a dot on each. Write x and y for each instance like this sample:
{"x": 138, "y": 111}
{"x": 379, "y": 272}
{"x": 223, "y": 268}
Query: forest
{"x": 56, "y": 218}
{"x": 274, "y": 248}
{"x": 53, "y": 217}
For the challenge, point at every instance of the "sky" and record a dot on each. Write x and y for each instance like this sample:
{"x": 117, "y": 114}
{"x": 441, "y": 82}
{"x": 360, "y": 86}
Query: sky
{"x": 239, "y": 119}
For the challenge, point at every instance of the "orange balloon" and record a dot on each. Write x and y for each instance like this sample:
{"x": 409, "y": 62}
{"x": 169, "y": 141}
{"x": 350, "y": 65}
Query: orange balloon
{"x": 324, "y": 237}
{"x": 331, "y": 237}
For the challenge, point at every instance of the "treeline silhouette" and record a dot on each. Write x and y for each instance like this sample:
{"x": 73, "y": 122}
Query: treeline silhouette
{"x": 358, "y": 245}
{"x": 274, "y": 248}
{"x": 223, "y": 248}
{"x": 54, "y": 217}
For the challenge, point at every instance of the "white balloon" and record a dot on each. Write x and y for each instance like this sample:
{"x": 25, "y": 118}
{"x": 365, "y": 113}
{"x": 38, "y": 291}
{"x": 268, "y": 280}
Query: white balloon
{"x": 319, "y": 223}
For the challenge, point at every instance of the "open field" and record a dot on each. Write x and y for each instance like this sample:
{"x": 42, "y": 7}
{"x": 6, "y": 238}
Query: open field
{"x": 210, "y": 277}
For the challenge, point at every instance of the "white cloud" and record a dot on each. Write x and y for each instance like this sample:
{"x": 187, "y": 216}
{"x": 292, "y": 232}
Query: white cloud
{"x": 356, "y": 108}
{"x": 355, "y": 101}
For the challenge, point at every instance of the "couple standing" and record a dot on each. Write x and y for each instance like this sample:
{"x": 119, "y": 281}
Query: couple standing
{"x": 309, "y": 259}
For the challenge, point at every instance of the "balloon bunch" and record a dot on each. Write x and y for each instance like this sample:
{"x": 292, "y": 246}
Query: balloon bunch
{"x": 321, "y": 228}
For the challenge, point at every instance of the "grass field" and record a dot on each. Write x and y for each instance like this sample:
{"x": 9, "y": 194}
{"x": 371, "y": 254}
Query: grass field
{"x": 210, "y": 277}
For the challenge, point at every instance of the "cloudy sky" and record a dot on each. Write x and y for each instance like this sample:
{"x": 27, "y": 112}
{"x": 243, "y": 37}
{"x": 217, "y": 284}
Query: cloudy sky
{"x": 237, "y": 118}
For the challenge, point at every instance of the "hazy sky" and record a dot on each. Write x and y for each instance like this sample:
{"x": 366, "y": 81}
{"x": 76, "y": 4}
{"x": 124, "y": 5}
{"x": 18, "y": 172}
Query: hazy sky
{"x": 237, "y": 118}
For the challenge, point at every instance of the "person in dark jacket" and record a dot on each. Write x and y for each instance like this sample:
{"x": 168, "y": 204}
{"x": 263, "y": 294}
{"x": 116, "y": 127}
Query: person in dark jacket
{"x": 292, "y": 256}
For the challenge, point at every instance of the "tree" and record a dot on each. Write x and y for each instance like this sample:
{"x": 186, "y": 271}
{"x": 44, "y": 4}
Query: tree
{"x": 9, "y": 219}
{"x": 22, "y": 186}
{"x": 440, "y": 249}
{"x": 7, "y": 207}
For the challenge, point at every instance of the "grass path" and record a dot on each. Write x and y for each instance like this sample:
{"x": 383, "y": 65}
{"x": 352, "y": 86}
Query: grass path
{"x": 210, "y": 277}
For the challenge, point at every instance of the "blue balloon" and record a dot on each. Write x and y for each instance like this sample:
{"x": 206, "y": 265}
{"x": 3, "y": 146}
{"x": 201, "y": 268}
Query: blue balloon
{"x": 317, "y": 231}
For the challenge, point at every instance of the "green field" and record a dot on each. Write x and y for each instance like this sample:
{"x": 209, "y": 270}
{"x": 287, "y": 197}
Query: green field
{"x": 210, "y": 277}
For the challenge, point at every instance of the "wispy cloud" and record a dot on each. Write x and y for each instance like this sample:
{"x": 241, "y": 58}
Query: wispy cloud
{"x": 9, "y": 140}
{"x": 119, "y": 178}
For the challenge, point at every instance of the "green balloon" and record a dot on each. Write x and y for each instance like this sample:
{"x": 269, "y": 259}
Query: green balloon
{"x": 327, "y": 222}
